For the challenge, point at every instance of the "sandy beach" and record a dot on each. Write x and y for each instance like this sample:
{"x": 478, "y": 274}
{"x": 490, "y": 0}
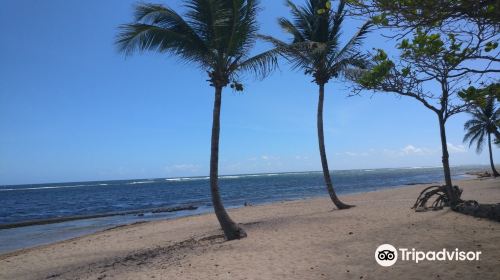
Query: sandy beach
{"x": 303, "y": 239}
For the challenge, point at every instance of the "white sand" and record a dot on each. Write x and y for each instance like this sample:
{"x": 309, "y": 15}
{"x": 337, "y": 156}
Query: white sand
{"x": 292, "y": 240}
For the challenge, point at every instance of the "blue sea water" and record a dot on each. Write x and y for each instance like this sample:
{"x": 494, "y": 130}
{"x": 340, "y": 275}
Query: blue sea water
{"x": 32, "y": 202}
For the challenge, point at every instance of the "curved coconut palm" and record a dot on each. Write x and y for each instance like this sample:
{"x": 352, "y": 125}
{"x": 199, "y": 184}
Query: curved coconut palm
{"x": 317, "y": 50}
{"x": 214, "y": 35}
{"x": 485, "y": 122}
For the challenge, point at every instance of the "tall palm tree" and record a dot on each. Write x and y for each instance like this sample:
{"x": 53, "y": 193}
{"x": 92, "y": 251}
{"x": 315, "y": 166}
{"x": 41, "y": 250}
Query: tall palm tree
{"x": 216, "y": 36}
{"x": 317, "y": 50}
{"x": 485, "y": 122}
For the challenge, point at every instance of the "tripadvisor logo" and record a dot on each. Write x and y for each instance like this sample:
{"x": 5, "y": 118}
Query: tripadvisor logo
{"x": 387, "y": 255}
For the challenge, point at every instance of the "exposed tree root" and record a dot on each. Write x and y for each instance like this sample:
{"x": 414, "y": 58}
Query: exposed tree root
{"x": 438, "y": 198}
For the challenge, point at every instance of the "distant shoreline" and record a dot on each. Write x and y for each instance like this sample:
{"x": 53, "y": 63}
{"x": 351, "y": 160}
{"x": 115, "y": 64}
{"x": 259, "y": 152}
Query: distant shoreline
{"x": 223, "y": 176}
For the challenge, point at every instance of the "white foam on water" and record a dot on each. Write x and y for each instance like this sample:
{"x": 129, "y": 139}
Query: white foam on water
{"x": 140, "y": 182}
{"x": 186, "y": 179}
{"x": 232, "y": 177}
{"x": 47, "y": 188}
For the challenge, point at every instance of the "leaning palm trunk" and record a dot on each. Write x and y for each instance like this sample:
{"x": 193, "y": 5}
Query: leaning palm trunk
{"x": 316, "y": 49}
{"x": 495, "y": 172}
{"x": 322, "y": 152}
{"x": 231, "y": 229}
{"x": 216, "y": 36}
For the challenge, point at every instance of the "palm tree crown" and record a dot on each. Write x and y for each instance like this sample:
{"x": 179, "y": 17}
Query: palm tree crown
{"x": 316, "y": 46}
{"x": 215, "y": 35}
{"x": 485, "y": 122}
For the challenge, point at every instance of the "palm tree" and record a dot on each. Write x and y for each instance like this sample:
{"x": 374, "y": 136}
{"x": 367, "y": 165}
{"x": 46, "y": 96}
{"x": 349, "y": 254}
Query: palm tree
{"x": 316, "y": 49}
{"x": 216, "y": 36}
{"x": 485, "y": 122}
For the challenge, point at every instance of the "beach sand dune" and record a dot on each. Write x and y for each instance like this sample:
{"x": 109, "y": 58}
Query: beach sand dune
{"x": 290, "y": 240}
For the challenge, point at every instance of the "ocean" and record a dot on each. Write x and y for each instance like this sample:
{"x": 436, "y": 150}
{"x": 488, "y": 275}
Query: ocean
{"x": 65, "y": 210}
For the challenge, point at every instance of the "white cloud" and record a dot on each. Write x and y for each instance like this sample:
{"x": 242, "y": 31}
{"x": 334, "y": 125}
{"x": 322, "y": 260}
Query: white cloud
{"x": 412, "y": 150}
{"x": 456, "y": 148}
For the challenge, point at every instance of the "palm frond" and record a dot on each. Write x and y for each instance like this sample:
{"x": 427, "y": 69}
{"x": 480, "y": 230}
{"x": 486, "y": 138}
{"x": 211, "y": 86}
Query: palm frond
{"x": 159, "y": 28}
{"x": 205, "y": 16}
{"x": 291, "y": 29}
{"x": 355, "y": 41}
{"x": 480, "y": 143}
{"x": 140, "y": 36}
{"x": 472, "y": 123}
{"x": 295, "y": 53}
{"x": 302, "y": 18}
{"x": 240, "y": 37}
{"x": 336, "y": 22}
{"x": 350, "y": 55}
{"x": 262, "y": 64}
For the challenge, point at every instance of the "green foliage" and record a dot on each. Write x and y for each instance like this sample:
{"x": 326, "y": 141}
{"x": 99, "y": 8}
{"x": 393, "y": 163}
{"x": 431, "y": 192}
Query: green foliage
{"x": 380, "y": 19}
{"x": 422, "y": 44}
{"x": 423, "y": 57}
{"x": 430, "y": 13}
{"x": 379, "y": 72}
{"x": 405, "y": 71}
{"x": 480, "y": 96}
{"x": 380, "y": 56}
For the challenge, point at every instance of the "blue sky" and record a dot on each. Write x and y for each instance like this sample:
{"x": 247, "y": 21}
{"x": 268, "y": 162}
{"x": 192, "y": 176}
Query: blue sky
{"x": 73, "y": 109}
